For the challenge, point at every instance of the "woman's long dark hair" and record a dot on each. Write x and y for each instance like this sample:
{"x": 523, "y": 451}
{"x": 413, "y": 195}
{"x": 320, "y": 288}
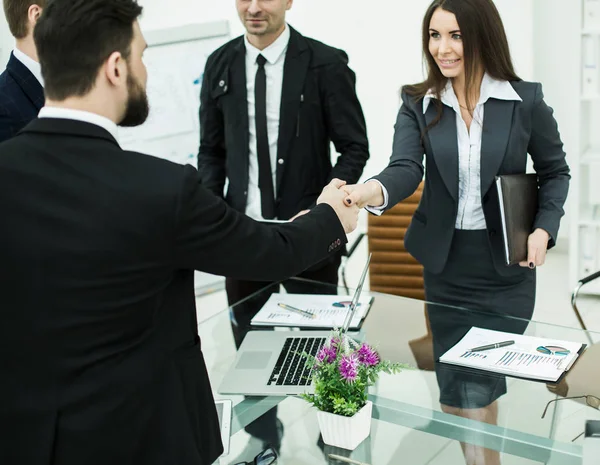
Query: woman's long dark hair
{"x": 485, "y": 47}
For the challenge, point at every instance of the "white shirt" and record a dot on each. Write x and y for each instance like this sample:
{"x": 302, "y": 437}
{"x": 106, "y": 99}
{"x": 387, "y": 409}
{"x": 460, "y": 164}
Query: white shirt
{"x": 275, "y": 56}
{"x": 33, "y": 66}
{"x": 470, "y": 210}
{"x": 79, "y": 115}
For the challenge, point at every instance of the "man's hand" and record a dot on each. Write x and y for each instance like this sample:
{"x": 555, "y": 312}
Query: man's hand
{"x": 537, "y": 244}
{"x": 334, "y": 196}
{"x": 362, "y": 195}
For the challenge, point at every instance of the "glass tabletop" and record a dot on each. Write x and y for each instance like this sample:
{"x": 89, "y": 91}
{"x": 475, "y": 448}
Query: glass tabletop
{"x": 425, "y": 415}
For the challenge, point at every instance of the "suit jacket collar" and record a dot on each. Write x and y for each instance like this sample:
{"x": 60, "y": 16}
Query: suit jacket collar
{"x": 490, "y": 88}
{"x": 26, "y": 81}
{"x": 69, "y": 127}
{"x": 296, "y": 66}
{"x": 497, "y": 124}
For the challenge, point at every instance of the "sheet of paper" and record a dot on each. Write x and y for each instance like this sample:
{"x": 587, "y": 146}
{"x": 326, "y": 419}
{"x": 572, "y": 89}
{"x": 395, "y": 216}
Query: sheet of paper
{"x": 330, "y": 311}
{"x": 520, "y": 359}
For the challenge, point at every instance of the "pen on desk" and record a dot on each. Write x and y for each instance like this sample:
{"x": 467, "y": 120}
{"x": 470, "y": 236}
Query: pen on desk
{"x": 346, "y": 459}
{"x": 297, "y": 310}
{"x": 492, "y": 346}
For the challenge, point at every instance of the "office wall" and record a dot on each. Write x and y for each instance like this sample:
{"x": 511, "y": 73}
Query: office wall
{"x": 556, "y": 59}
{"x": 6, "y": 41}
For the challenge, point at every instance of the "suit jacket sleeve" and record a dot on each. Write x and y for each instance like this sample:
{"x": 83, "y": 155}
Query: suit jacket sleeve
{"x": 7, "y": 124}
{"x": 213, "y": 237}
{"x": 346, "y": 121}
{"x": 211, "y": 156}
{"x": 546, "y": 150}
{"x": 405, "y": 171}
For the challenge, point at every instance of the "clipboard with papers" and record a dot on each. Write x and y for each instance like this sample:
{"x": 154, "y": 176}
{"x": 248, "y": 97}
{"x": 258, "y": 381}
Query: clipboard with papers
{"x": 527, "y": 357}
{"x": 329, "y": 311}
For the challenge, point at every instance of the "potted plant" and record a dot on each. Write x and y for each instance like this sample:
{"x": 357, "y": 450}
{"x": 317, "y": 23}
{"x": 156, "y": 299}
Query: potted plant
{"x": 342, "y": 372}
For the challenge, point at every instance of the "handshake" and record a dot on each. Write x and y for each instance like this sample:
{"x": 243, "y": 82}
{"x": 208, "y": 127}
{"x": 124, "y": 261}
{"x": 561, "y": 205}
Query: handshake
{"x": 347, "y": 200}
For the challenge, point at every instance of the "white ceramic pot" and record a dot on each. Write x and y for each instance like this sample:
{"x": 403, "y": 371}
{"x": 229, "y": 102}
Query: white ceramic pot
{"x": 346, "y": 432}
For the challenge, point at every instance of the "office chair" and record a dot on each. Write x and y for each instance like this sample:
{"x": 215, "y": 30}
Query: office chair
{"x": 392, "y": 269}
{"x": 582, "y": 282}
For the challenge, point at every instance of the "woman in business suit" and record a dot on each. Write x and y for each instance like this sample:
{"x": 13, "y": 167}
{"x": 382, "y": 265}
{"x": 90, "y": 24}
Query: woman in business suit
{"x": 472, "y": 118}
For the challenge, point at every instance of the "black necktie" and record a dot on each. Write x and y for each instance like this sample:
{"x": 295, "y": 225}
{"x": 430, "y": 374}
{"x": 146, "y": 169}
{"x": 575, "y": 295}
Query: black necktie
{"x": 265, "y": 179}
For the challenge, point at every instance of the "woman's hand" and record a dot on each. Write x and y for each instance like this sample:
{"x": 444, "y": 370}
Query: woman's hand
{"x": 362, "y": 195}
{"x": 537, "y": 244}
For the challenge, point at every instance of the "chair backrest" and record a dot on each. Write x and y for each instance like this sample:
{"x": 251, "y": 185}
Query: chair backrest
{"x": 393, "y": 270}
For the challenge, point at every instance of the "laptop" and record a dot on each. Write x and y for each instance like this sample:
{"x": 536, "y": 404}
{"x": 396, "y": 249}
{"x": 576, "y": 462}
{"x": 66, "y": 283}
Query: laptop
{"x": 269, "y": 363}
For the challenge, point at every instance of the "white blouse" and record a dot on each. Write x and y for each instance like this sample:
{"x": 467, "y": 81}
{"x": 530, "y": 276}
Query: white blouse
{"x": 470, "y": 210}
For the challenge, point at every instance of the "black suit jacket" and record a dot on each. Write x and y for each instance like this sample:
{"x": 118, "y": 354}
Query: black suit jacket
{"x": 318, "y": 105}
{"x": 100, "y": 355}
{"x": 511, "y": 130}
{"x": 21, "y": 98}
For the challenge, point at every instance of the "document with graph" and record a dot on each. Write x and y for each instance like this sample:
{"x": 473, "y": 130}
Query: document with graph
{"x": 515, "y": 355}
{"x": 311, "y": 311}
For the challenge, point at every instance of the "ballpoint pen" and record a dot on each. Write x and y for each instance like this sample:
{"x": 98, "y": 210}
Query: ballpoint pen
{"x": 492, "y": 346}
{"x": 297, "y": 310}
{"x": 346, "y": 459}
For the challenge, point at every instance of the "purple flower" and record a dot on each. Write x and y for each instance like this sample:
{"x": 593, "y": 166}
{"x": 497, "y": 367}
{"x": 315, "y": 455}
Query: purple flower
{"x": 367, "y": 355}
{"x": 326, "y": 354}
{"x": 349, "y": 367}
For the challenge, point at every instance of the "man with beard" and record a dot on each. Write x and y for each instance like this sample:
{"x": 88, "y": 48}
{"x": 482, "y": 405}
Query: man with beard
{"x": 99, "y": 350}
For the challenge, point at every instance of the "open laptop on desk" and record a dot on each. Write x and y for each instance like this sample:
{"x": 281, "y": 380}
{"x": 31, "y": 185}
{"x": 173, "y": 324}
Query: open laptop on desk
{"x": 269, "y": 363}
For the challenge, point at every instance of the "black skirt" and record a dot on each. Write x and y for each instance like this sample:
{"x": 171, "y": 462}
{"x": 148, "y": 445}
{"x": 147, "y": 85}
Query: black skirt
{"x": 470, "y": 281}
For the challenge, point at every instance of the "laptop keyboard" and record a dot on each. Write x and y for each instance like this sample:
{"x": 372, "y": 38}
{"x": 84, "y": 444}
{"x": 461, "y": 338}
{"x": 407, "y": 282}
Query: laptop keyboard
{"x": 291, "y": 369}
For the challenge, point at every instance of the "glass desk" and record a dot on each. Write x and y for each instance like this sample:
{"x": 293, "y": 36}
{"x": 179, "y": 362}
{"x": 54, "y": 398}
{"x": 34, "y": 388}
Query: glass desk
{"x": 409, "y": 425}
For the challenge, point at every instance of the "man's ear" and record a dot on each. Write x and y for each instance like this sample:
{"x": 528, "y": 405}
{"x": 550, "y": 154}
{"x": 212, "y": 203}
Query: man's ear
{"x": 34, "y": 13}
{"x": 115, "y": 69}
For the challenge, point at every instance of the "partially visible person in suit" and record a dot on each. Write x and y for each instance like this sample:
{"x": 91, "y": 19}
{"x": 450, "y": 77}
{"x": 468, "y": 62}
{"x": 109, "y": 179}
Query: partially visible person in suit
{"x": 472, "y": 118}
{"x": 21, "y": 83}
{"x": 300, "y": 96}
{"x": 99, "y": 349}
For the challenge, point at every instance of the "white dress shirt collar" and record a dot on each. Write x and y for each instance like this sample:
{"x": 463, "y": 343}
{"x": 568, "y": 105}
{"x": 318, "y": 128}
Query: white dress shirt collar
{"x": 79, "y": 115}
{"x": 490, "y": 88}
{"x": 32, "y": 65}
{"x": 274, "y": 51}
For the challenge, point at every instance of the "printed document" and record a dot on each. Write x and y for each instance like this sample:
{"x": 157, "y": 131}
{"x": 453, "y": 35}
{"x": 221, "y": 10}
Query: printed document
{"x": 529, "y": 357}
{"x": 329, "y": 311}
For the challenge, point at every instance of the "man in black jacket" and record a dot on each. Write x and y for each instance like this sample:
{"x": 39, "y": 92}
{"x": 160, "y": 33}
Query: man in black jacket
{"x": 99, "y": 349}
{"x": 272, "y": 101}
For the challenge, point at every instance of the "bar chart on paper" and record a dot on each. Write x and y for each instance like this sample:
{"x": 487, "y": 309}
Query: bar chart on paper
{"x": 329, "y": 311}
{"x": 529, "y": 357}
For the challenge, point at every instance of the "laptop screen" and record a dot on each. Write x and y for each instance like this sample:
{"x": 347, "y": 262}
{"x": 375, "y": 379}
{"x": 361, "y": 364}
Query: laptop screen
{"x": 354, "y": 304}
